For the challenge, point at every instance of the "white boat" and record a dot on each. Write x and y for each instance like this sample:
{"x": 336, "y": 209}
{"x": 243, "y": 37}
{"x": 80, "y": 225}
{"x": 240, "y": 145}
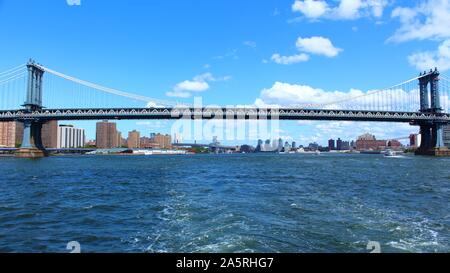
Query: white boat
{"x": 317, "y": 152}
{"x": 389, "y": 153}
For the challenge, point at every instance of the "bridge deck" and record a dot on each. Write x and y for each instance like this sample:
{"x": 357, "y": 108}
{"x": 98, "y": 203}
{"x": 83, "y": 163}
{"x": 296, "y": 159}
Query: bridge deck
{"x": 170, "y": 113}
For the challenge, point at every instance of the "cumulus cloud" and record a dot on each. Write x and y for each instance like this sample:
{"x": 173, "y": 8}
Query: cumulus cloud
{"x": 317, "y": 45}
{"x": 428, "y": 20}
{"x": 429, "y": 59}
{"x": 310, "y": 8}
{"x": 277, "y": 58}
{"x": 314, "y": 45}
{"x": 345, "y": 10}
{"x": 198, "y": 84}
{"x": 285, "y": 94}
{"x": 401, "y": 98}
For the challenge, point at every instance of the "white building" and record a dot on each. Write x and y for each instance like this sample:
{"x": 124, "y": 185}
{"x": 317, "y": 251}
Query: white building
{"x": 70, "y": 137}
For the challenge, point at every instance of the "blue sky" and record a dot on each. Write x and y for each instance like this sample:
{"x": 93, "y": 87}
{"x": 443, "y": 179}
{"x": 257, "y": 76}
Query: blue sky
{"x": 229, "y": 51}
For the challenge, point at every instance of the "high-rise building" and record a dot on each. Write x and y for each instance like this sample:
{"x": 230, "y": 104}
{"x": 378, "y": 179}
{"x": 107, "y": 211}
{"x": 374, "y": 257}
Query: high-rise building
{"x": 120, "y": 140}
{"x": 447, "y": 135}
{"x": 345, "y": 146}
{"x": 11, "y": 134}
{"x": 331, "y": 144}
{"x": 339, "y": 144}
{"x": 162, "y": 141}
{"x": 133, "y": 140}
{"x": 352, "y": 145}
{"x": 267, "y": 146}
{"x": 294, "y": 145}
{"x": 280, "y": 145}
{"x": 70, "y": 137}
{"x": 106, "y": 135}
{"x": 49, "y": 134}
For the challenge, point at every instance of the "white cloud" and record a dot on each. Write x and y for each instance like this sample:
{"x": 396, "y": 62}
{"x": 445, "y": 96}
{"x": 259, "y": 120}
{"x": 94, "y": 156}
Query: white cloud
{"x": 250, "y": 44}
{"x": 286, "y": 60}
{"x": 304, "y": 96}
{"x": 313, "y": 45}
{"x": 192, "y": 86}
{"x": 345, "y": 10}
{"x": 310, "y": 8}
{"x": 428, "y": 20}
{"x": 429, "y": 60}
{"x": 285, "y": 94}
{"x": 198, "y": 84}
{"x": 317, "y": 45}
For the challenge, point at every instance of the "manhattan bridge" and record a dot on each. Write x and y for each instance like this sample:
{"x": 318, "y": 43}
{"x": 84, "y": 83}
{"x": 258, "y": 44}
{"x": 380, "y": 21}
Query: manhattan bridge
{"x": 34, "y": 94}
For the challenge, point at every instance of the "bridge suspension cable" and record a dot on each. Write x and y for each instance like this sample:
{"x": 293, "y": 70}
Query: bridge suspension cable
{"x": 399, "y": 97}
{"x": 12, "y": 87}
{"x": 149, "y": 101}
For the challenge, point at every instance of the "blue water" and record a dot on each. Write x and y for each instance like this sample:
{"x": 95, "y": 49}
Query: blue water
{"x": 225, "y": 203}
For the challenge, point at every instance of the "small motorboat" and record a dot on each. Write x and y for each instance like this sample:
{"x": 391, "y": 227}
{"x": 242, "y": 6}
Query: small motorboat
{"x": 389, "y": 153}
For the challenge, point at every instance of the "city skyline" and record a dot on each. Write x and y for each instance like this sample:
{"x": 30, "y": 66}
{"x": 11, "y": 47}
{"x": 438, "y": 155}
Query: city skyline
{"x": 269, "y": 61}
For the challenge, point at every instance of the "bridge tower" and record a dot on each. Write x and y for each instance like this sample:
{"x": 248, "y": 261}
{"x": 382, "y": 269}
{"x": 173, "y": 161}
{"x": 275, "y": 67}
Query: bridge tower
{"x": 432, "y": 132}
{"x": 32, "y": 142}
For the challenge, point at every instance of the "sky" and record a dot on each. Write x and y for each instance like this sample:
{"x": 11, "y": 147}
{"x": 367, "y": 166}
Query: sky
{"x": 233, "y": 52}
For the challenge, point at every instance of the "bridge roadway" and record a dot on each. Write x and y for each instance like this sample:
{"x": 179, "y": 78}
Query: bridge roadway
{"x": 171, "y": 113}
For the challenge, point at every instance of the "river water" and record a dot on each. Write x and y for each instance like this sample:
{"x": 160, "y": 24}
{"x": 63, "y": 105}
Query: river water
{"x": 225, "y": 203}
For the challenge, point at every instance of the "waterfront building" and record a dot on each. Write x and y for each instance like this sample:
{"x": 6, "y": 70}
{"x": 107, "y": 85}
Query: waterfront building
{"x": 313, "y": 146}
{"x": 287, "y": 147}
{"x": 133, "y": 141}
{"x": 120, "y": 140}
{"x": 294, "y": 145}
{"x": 331, "y": 144}
{"x": 339, "y": 144}
{"x": 106, "y": 135}
{"x": 394, "y": 144}
{"x": 369, "y": 142}
{"x": 345, "y": 146}
{"x": 70, "y": 137}
{"x": 259, "y": 146}
{"x": 447, "y": 135}
{"x": 11, "y": 134}
{"x": 267, "y": 146}
{"x": 49, "y": 134}
{"x": 280, "y": 145}
{"x": 162, "y": 141}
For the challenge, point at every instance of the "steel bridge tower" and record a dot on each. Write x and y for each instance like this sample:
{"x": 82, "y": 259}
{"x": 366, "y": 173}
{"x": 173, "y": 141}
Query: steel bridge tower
{"x": 32, "y": 140}
{"x": 431, "y": 131}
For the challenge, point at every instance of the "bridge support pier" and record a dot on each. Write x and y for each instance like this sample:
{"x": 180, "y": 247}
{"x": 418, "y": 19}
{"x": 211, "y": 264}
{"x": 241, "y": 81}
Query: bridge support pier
{"x": 432, "y": 143}
{"x": 432, "y": 133}
{"x": 32, "y": 141}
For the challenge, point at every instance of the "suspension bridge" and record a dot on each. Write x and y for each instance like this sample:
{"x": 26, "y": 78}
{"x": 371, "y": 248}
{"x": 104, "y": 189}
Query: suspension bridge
{"x": 25, "y": 97}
